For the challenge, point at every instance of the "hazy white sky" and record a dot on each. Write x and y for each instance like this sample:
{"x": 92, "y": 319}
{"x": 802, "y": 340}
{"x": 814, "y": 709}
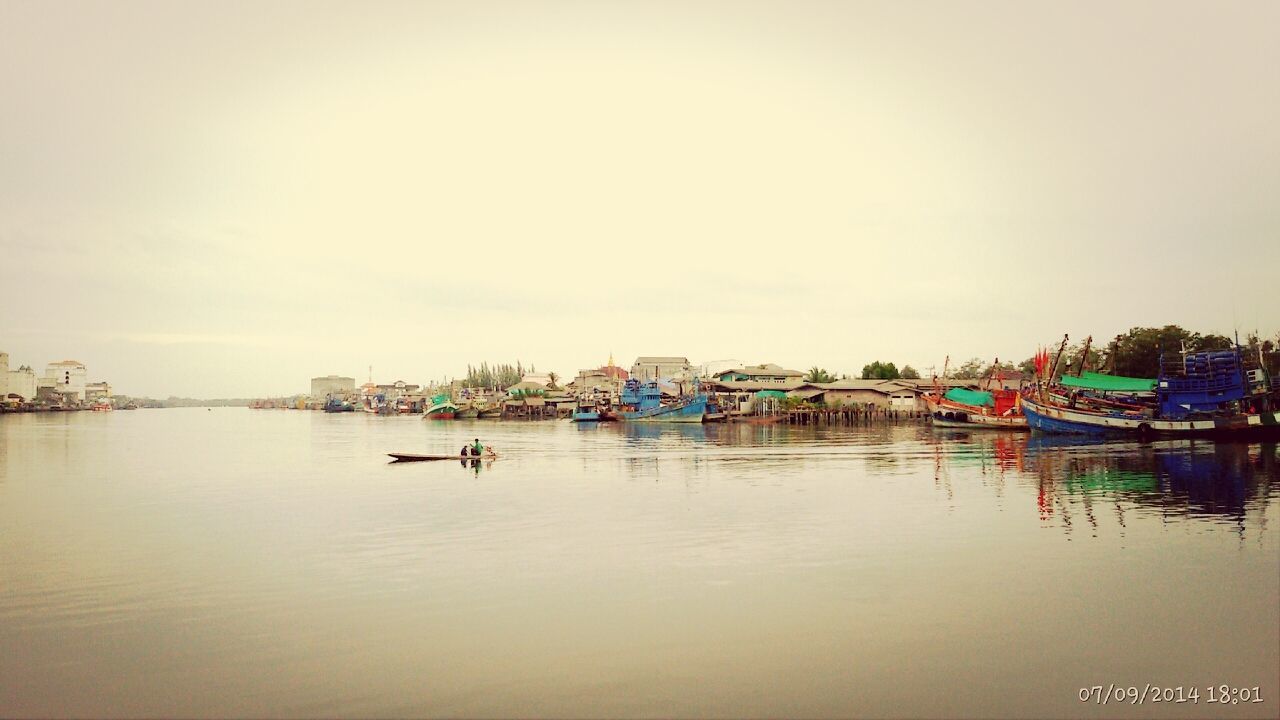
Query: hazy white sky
{"x": 227, "y": 199}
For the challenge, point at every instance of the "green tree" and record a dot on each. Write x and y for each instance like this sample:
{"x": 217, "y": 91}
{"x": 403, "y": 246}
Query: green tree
{"x": 818, "y": 375}
{"x": 909, "y": 373}
{"x": 971, "y": 370}
{"x": 553, "y": 378}
{"x": 880, "y": 371}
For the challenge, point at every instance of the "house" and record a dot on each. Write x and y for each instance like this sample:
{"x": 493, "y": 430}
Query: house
{"x": 739, "y": 394}
{"x": 882, "y": 394}
{"x": 659, "y": 367}
{"x": 768, "y": 373}
{"x": 397, "y": 390}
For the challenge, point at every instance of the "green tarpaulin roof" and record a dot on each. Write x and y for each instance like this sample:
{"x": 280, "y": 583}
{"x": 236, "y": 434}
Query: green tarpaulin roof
{"x": 969, "y": 397}
{"x": 1109, "y": 383}
{"x": 771, "y": 393}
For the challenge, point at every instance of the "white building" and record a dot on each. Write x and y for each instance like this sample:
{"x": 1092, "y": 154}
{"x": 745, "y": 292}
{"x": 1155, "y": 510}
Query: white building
{"x": 21, "y": 382}
{"x": 67, "y": 378}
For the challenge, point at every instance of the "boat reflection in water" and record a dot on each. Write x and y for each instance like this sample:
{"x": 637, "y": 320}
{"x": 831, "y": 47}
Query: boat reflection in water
{"x": 1175, "y": 478}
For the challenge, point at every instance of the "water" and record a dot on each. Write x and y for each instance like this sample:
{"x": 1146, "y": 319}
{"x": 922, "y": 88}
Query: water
{"x": 234, "y": 562}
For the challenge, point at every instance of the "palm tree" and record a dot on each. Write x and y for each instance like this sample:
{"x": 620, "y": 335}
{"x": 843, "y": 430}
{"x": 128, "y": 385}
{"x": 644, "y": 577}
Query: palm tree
{"x": 818, "y": 375}
{"x": 553, "y": 378}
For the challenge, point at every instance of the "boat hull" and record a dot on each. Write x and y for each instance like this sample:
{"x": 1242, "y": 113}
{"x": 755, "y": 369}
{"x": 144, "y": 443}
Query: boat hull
{"x": 690, "y": 412}
{"x": 441, "y": 415}
{"x": 1067, "y": 421}
{"x": 954, "y": 415}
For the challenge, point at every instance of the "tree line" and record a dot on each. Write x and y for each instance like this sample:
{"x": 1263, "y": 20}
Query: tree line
{"x": 502, "y": 375}
{"x": 1135, "y": 353}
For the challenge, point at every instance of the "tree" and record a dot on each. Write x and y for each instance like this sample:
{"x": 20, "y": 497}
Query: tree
{"x": 880, "y": 371}
{"x": 818, "y": 375}
{"x": 909, "y": 373}
{"x": 970, "y": 370}
{"x": 553, "y": 378}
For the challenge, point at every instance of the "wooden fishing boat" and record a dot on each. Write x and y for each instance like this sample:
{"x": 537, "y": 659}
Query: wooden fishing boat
{"x": 1221, "y": 393}
{"x": 442, "y": 408}
{"x": 991, "y": 408}
{"x": 415, "y": 457}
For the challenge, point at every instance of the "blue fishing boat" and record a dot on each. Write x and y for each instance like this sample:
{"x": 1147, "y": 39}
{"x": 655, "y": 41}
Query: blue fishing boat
{"x": 338, "y": 405}
{"x": 1213, "y": 393}
{"x": 642, "y": 402}
{"x": 594, "y": 409}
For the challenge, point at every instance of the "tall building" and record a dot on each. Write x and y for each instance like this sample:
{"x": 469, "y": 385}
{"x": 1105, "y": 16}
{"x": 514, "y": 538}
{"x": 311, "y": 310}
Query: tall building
{"x": 336, "y": 385}
{"x": 21, "y": 382}
{"x": 67, "y": 378}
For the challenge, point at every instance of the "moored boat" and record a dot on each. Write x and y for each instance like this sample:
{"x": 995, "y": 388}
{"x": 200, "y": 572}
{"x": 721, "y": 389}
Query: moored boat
{"x": 441, "y": 408}
{"x": 992, "y": 408}
{"x": 338, "y": 405}
{"x": 642, "y": 402}
{"x": 1216, "y": 393}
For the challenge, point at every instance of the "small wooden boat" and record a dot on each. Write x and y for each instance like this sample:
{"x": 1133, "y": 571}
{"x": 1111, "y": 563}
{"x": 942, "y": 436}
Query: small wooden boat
{"x": 412, "y": 457}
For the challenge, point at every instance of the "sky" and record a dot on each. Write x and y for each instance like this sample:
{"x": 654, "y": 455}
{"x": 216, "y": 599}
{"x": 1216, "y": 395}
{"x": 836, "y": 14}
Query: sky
{"x": 225, "y": 199}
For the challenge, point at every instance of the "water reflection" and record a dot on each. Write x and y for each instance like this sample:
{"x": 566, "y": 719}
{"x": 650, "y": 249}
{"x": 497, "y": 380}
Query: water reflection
{"x": 1175, "y": 479}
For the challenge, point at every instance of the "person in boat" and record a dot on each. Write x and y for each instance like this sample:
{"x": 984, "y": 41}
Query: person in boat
{"x": 477, "y": 448}
{"x": 465, "y": 450}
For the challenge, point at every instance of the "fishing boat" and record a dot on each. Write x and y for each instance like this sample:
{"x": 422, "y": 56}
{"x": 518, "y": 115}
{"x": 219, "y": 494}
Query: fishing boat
{"x": 991, "y": 408}
{"x": 414, "y": 457}
{"x": 441, "y": 408}
{"x": 468, "y": 411}
{"x": 1223, "y": 393}
{"x": 593, "y": 408}
{"x": 642, "y": 402}
{"x": 101, "y": 405}
{"x": 976, "y": 409}
{"x": 338, "y": 405}
{"x": 372, "y": 401}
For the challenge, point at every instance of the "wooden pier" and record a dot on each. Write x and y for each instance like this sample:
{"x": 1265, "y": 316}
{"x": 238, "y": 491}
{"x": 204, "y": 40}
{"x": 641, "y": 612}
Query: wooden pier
{"x": 838, "y": 416}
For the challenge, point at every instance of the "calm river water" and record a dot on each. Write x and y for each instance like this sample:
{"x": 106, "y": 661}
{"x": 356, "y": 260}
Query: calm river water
{"x": 235, "y": 562}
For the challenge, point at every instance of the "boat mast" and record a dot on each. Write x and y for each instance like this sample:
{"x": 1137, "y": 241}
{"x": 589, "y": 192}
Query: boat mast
{"x": 1053, "y": 369}
{"x": 1084, "y": 356}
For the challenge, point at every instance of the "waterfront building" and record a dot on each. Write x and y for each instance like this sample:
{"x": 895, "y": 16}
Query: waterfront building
{"x": 97, "y": 391}
{"x": 739, "y": 394}
{"x": 21, "y": 382}
{"x": 661, "y": 367}
{"x": 398, "y": 389}
{"x": 766, "y": 373}
{"x": 884, "y": 394}
{"x": 66, "y": 378}
{"x": 335, "y": 385}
